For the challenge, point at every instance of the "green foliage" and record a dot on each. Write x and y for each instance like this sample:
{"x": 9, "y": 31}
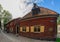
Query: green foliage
{"x": 6, "y": 15}
{"x": 57, "y": 39}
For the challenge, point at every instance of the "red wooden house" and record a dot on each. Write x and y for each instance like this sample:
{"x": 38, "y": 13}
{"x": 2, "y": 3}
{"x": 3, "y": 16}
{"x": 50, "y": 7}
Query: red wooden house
{"x": 40, "y": 23}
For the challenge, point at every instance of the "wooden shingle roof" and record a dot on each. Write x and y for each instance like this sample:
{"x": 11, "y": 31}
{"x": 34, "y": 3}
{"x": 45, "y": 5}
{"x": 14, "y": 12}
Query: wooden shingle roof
{"x": 43, "y": 11}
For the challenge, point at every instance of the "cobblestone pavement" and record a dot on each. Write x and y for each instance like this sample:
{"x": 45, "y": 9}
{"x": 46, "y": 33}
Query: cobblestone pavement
{"x": 8, "y": 37}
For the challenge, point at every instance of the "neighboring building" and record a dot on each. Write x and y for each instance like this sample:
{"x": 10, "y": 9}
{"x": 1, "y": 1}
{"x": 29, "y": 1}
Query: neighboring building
{"x": 58, "y": 28}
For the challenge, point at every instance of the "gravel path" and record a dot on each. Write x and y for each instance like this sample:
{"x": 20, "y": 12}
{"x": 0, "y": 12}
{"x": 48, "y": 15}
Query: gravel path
{"x": 3, "y": 38}
{"x": 8, "y": 37}
{"x": 14, "y": 38}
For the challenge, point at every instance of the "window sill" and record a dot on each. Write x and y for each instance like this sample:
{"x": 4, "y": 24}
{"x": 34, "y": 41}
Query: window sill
{"x": 37, "y": 32}
{"x": 23, "y": 31}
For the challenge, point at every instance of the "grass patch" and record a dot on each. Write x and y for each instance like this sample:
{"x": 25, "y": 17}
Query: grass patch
{"x": 57, "y": 39}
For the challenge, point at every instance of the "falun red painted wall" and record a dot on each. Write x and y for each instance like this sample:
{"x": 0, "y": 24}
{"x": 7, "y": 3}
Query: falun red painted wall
{"x": 48, "y": 22}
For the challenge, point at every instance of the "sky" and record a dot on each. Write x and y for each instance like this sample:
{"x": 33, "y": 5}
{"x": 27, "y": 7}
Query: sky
{"x": 19, "y": 8}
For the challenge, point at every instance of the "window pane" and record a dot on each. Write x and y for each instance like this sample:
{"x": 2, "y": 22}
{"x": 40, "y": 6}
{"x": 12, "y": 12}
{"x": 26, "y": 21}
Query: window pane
{"x": 37, "y": 28}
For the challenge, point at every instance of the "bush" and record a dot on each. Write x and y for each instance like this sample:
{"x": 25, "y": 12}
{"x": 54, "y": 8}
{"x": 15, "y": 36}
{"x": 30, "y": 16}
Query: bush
{"x": 57, "y": 39}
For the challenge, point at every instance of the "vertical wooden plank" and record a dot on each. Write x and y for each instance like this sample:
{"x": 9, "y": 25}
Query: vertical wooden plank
{"x": 41, "y": 28}
{"x": 32, "y": 28}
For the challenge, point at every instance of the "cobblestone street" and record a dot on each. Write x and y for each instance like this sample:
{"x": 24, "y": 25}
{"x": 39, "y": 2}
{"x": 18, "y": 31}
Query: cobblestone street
{"x": 8, "y": 37}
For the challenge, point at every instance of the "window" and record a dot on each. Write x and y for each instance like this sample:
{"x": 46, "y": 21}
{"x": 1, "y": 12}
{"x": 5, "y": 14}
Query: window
{"x": 35, "y": 10}
{"x": 11, "y": 29}
{"x": 50, "y": 29}
{"x": 36, "y": 28}
{"x": 24, "y": 28}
